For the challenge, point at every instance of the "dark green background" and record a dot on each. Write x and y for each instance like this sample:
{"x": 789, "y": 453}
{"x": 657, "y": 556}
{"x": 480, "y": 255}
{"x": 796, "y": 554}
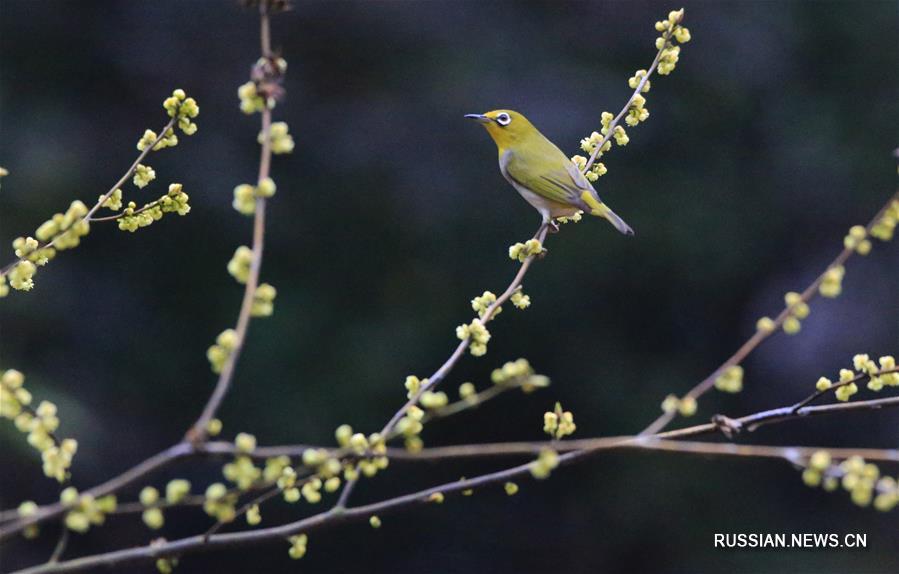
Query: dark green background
{"x": 772, "y": 137}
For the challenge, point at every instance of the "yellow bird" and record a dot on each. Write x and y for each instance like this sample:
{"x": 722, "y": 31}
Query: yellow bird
{"x": 540, "y": 172}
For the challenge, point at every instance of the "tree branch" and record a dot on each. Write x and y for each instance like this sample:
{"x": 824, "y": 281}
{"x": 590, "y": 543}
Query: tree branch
{"x": 336, "y": 516}
{"x": 441, "y": 373}
{"x": 88, "y": 216}
{"x": 759, "y": 336}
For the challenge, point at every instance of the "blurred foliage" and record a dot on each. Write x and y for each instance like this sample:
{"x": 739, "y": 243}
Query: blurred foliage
{"x": 769, "y": 140}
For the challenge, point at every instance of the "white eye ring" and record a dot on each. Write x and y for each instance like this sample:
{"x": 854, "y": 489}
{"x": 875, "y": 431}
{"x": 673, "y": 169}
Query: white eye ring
{"x": 503, "y": 119}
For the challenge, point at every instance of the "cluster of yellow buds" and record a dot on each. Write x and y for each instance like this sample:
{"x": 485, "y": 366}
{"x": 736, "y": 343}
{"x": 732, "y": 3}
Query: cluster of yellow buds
{"x": 558, "y": 423}
{"x": 152, "y": 513}
{"x": 511, "y": 488}
{"x": 878, "y": 376}
{"x": 39, "y": 424}
{"x": 832, "y": 282}
{"x": 263, "y": 301}
{"x": 670, "y": 53}
{"x": 861, "y": 479}
{"x": 546, "y": 462}
{"x": 410, "y": 426}
{"x": 857, "y": 240}
{"x": 520, "y": 300}
{"x": 279, "y": 135}
{"x": 179, "y": 106}
{"x": 522, "y": 251}
{"x": 311, "y": 490}
{"x": 483, "y": 302}
{"x": 250, "y": 99}
{"x": 13, "y": 395}
{"x": 326, "y": 466}
{"x": 297, "y": 546}
{"x": 21, "y": 276}
{"x": 766, "y": 325}
{"x": 413, "y": 384}
{"x": 113, "y": 202}
{"x": 169, "y": 139}
{"x": 636, "y": 111}
{"x": 85, "y": 510}
{"x": 798, "y": 309}
{"x": 242, "y": 471}
{"x": 255, "y": 97}
{"x": 254, "y": 516}
{"x": 519, "y": 373}
{"x": 220, "y": 503}
{"x": 214, "y": 427}
{"x": 731, "y": 380}
{"x": 598, "y": 169}
{"x": 576, "y": 218}
{"x": 245, "y": 195}
{"x": 433, "y": 400}
{"x": 635, "y": 80}
{"x": 287, "y": 482}
{"x": 274, "y": 467}
{"x": 175, "y": 201}
{"x": 219, "y": 353}
{"x": 166, "y": 565}
{"x": 57, "y": 459}
{"x": 143, "y": 175}
{"x": 176, "y": 490}
{"x": 26, "y": 509}
{"x": 371, "y": 466}
{"x": 65, "y": 230}
{"x": 884, "y": 227}
{"x": 239, "y": 265}
{"x": 477, "y": 335}
{"x": 686, "y": 406}
{"x": 184, "y": 109}
{"x": 468, "y": 393}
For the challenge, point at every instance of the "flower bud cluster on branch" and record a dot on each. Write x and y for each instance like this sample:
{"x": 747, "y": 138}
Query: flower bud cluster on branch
{"x": 64, "y": 230}
{"x": 863, "y": 480}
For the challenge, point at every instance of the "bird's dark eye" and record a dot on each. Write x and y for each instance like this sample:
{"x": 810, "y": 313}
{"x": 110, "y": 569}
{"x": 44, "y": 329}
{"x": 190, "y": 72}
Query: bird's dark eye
{"x": 503, "y": 119}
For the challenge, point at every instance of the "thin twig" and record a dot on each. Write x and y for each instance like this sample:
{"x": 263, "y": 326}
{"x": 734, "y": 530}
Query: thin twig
{"x": 858, "y": 378}
{"x": 60, "y": 545}
{"x": 611, "y": 131}
{"x": 87, "y": 217}
{"x": 503, "y": 449}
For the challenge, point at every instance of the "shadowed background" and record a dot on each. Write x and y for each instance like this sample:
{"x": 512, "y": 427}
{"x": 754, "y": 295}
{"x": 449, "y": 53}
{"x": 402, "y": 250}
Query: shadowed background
{"x": 773, "y": 136}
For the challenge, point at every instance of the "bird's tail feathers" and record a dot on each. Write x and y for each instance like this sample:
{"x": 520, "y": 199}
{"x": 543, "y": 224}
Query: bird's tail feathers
{"x": 600, "y": 209}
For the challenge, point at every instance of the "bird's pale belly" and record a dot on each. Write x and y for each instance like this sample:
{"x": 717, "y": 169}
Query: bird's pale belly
{"x": 548, "y": 209}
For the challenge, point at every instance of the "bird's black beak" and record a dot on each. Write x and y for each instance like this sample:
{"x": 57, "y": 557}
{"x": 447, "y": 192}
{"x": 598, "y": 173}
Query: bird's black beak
{"x": 480, "y": 118}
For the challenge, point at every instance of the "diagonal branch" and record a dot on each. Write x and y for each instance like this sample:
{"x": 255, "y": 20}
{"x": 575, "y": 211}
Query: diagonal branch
{"x": 441, "y": 373}
{"x": 89, "y": 215}
{"x": 761, "y": 335}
